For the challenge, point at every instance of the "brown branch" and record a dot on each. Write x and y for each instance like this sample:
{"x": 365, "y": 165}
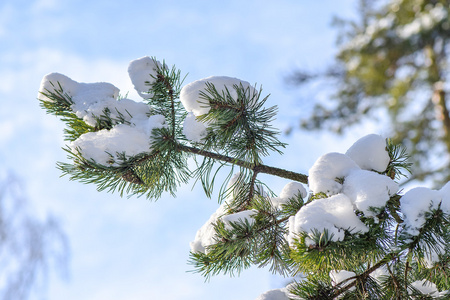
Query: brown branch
{"x": 241, "y": 163}
{"x": 436, "y": 79}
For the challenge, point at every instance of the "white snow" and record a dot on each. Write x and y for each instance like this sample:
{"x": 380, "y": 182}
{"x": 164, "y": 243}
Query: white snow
{"x": 444, "y": 193}
{"x": 82, "y": 94}
{"x": 242, "y": 216}
{"x": 293, "y": 189}
{"x": 338, "y": 276}
{"x": 143, "y": 74}
{"x": 333, "y": 214}
{"x": 131, "y": 137}
{"x": 328, "y": 167}
{"x": 431, "y": 254}
{"x": 380, "y": 274}
{"x": 275, "y": 294}
{"x": 290, "y": 190}
{"x": 414, "y": 204}
{"x": 193, "y": 129}
{"x": 90, "y": 99}
{"x": 190, "y": 93}
{"x": 126, "y": 108}
{"x": 103, "y": 146}
{"x": 351, "y": 182}
{"x": 369, "y": 152}
{"x": 428, "y": 288}
{"x": 368, "y": 189}
{"x": 205, "y": 235}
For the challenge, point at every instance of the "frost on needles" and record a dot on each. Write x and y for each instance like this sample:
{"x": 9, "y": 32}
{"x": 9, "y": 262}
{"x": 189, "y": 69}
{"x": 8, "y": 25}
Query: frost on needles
{"x": 345, "y": 230}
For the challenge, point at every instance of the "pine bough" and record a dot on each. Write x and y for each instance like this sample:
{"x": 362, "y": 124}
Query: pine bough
{"x": 351, "y": 235}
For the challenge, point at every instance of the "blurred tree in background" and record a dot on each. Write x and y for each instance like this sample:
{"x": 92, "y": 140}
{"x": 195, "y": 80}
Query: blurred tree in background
{"x": 29, "y": 247}
{"x": 393, "y": 61}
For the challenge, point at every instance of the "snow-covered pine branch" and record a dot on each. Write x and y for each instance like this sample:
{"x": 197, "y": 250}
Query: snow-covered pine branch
{"x": 350, "y": 232}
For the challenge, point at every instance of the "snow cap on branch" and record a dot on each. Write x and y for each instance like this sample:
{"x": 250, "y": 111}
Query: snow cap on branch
{"x": 193, "y": 129}
{"x": 275, "y": 294}
{"x": 428, "y": 288}
{"x": 91, "y": 99}
{"x": 368, "y": 190}
{"x": 104, "y": 146}
{"x": 82, "y": 94}
{"x": 143, "y": 74}
{"x": 414, "y": 204}
{"x": 348, "y": 188}
{"x": 190, "y": 95}
{"x": 205, "y": 235}
{"x": 369, "y": 152}
{"x": 339, "y": 276}
{"x": 328, "y": 167}
{"x": 334, "y": 214}
{"x": 290, "y": 190}
{"x": 242, "y": 216}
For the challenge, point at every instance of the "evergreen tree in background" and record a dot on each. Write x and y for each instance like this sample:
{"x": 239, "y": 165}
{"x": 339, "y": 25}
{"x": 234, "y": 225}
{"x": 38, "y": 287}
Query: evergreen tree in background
{"x": 393, "y": 60}
{"x": 345, "y": 230}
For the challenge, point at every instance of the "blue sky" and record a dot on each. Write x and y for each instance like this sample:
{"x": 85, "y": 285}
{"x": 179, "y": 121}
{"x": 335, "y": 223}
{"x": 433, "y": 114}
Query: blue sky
{"x": 133, "y": 248}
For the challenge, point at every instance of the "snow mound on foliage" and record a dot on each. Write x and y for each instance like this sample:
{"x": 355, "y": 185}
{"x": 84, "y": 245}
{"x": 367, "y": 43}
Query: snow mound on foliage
{"x": 334, "y": 214}
{"x": 369, "y": 190}
{"x": 369, "y": 153}
{"x": 415, "y": 204}
{"x": 132, "y": 123}
{"x": 193, "y": 100}
{"x": 143, "y": 73}
{"x": 348, "y": 182}
{"x": 193, "y": 129}
{"x": 290, "y": 190}
{"x": 328, "y": 168}
{"x": 275, "y": 294}
{"x": 106, "y": 146}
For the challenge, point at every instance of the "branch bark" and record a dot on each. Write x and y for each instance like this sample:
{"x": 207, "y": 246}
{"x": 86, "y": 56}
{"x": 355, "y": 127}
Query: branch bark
{"x": 257, "y": 168}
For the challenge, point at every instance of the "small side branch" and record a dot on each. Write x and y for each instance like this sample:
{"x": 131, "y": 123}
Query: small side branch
{"x": 364, "y": 275}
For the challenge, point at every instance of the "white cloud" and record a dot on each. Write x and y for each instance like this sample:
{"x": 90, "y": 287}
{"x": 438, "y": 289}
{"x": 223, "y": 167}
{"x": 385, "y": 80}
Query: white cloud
{"x": 45, "y": 5}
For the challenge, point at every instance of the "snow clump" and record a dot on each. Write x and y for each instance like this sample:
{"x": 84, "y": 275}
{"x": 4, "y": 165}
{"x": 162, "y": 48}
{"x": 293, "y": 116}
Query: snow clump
{"x": 415, "y": 204}
{"x": 194, "y": 102}
{"x": 339, "y": 276}
{"x": 105, "y": 146}
{"x": 350, "y": 184}
{"x": 328, "y": 167}
{"x": 143, "y": 73}
{"x": 132, "y": 121}
{"x": 369, "y": 191}
{"x": 205, "y": 236}
{"x": 369, "y": 153}
{"x": 334, "y": 214}
{"x": 428, "y": 288}
{"x": 193, "y": 129}
{"x": 275, "y": 294}
{"x": 290, "y": 190}
{"x": 242, "y": 216}
{"x": 90, "y": 100}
